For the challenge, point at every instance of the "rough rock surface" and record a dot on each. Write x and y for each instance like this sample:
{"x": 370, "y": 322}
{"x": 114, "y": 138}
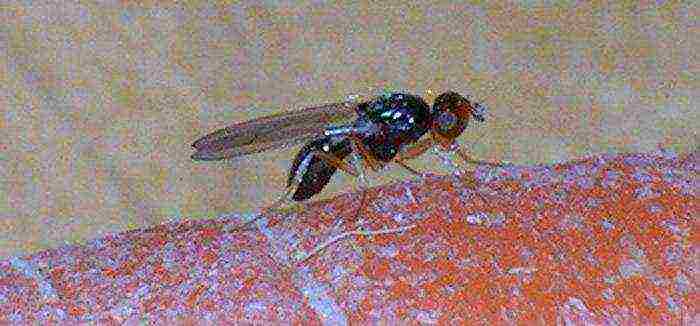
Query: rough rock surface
{"x": 608, "y": 239}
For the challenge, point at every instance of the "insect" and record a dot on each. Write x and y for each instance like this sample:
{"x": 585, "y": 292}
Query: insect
{"x": 390, "y": 128}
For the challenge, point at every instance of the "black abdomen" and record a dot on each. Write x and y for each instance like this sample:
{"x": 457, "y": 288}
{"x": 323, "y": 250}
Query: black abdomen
{"x": 314, "y": 172}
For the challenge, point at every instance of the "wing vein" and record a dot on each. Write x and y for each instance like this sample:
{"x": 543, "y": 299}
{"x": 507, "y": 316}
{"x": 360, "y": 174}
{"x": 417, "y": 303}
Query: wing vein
{"x": 271, "y": 132}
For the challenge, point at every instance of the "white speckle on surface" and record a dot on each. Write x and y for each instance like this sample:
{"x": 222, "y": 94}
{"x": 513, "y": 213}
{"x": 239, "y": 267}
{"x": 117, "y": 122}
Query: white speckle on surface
{"x": 398, "y": 217}
{"x": 672, "y": 227}
{"x": 608, "y": 294}
{"x": 60, "y": 313}
{"x": 15, "y": 317}
{"x": 682, "y": 283}
{"x": 122, "y": 311}
{"x": 476, "y": 219}
{"x": 427, "y": 317}
{"x": 642, "y": 176}
{"x": 577, "y": 304}
{"x": 388, "y": 251}
{"x": 409, "y": 194}
{"x": 142, "y": 291}
{"x": 644, "y": 192}
{"x": 673, "y": 254}
{"x": 671, "y": 304}
{"x": 630, "y": 268}
{"x": 592, "y": 203}
{"x": 448, "y": 162}
{"x": 652, "y": 300}
{"x": 322, "y": 302}
{"x": 655, "y": 208}
{"x": 254, "y": 306}
{"x": 607, "y": 225}
{"x": 31, "y": 271}
{"x": 521, "y": 270}
{"x": 338, "y": 272}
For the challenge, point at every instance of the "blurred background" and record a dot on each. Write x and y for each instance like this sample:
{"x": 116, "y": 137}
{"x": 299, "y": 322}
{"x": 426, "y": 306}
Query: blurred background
{"x": 99, "y": 103}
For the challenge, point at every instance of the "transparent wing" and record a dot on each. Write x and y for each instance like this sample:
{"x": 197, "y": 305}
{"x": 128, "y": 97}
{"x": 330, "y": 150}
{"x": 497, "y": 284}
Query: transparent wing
{"x": 272, "y": 132}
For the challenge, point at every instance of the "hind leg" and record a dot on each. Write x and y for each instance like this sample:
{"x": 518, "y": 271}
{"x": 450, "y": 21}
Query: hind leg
{"x": 363, "y": 155}
{"x": 285, "y": 198}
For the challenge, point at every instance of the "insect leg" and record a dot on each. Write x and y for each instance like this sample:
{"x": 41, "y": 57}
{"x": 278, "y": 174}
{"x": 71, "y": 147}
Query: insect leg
{"x": 301, "y": 257}
{"x": 284, "y": 198}
{"x": 340, "y": 164}
{"x": 416, "y": 149}
{"x": 365, "y": 156}
{"x": 412, "y": 151}
{"x": 468, "y": 160}
{"x": 462, "y": 153}
{"x": 360, "y": 153}
{"x": 408, "y": 168}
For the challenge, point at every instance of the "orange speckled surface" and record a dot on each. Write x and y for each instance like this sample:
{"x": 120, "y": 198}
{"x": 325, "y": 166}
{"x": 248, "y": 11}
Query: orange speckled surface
{"x": 608, "y": 239}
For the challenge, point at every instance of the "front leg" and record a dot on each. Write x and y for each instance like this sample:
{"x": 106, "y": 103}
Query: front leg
{"x": 462, "y": 153}
{"x": 412, "y": 151}
{"x": 444, "y": 146}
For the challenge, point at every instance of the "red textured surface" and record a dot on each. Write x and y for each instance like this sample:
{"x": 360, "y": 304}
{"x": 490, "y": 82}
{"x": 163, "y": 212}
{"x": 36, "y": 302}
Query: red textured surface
{"x": 610, "y": 238}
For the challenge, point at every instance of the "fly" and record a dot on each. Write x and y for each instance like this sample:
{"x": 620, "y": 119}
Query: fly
{"x": 390, "y": 128}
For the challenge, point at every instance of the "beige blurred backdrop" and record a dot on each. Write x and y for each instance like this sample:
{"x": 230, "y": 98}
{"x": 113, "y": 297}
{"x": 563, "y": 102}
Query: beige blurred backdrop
{"x": 100, "y": 102}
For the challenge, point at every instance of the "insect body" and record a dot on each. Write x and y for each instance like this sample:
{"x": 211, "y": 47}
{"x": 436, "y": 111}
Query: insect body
{"x": 388, "y": 128}
{"x": 400, "y": 119}
{"x": 382, "y": 127}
